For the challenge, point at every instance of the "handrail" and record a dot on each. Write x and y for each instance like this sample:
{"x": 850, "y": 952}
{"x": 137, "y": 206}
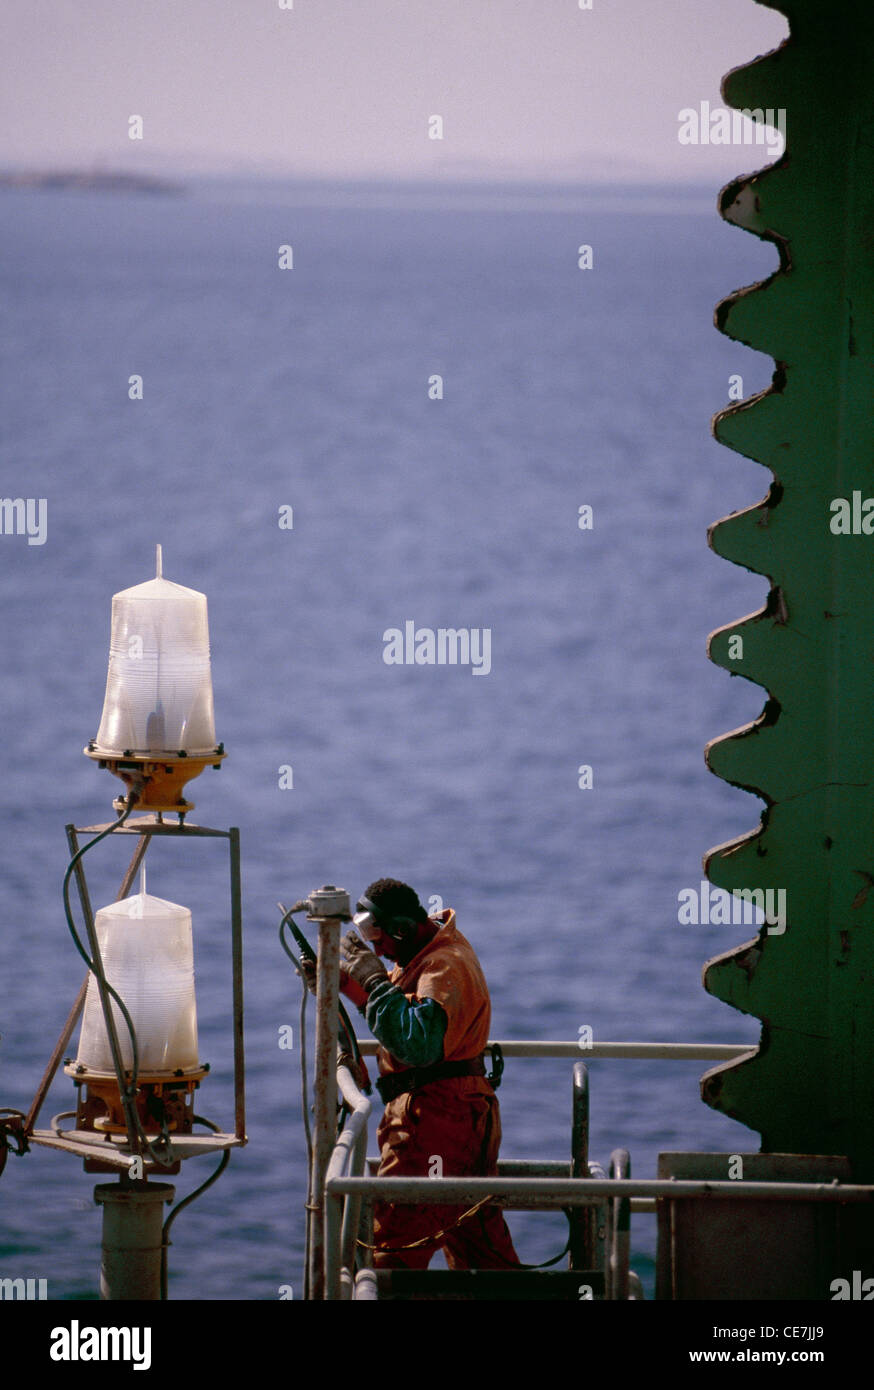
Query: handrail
{"x": 657, "y": 1051}
{"x": 344, "y": 1191}
{"x": 341, "y": 1218}
{"x": 359, "y": 1104}
{"x": 562, "y": 1192}
{"x": 351, "y": 1092}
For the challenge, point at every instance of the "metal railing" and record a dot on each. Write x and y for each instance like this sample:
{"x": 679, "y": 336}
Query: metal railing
{"x": 343, "y": 1218}
{"x": 596, "y": 1204}
{"x": 644, "y": 1051}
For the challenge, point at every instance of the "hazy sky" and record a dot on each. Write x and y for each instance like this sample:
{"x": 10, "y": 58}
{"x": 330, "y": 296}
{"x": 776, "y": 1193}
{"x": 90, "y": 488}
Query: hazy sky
{"x": 344, "y": 88}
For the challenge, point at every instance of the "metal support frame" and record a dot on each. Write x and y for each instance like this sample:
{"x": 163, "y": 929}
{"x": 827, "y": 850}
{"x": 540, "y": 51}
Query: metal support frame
{"x": 237, "y": 972}
{"x": 75, "y": 1013}
{"x": 147, "y": 828}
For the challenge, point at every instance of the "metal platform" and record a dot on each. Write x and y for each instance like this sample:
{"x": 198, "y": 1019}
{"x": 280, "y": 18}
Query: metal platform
{"x": 115, "y": 1153}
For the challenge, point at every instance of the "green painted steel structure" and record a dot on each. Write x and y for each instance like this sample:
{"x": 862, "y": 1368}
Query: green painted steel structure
{"x": 810, "y": 754}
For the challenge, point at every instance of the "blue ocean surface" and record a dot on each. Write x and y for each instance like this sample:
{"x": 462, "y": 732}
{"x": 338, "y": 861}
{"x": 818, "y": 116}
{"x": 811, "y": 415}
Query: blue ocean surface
{"x": 308, "y": 388}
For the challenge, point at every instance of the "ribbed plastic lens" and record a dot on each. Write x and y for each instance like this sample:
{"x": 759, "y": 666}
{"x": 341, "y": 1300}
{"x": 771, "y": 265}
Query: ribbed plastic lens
{"x": 159, "y": 685}
{"x": 148, "y": 956}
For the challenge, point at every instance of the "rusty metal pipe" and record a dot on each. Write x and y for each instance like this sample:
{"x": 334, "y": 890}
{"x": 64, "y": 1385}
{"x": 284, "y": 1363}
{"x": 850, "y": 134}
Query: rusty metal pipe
{"x": 324, "y": 1093}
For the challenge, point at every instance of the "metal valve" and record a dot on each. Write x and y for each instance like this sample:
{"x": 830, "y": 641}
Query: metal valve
{"x": 328, "y": 902}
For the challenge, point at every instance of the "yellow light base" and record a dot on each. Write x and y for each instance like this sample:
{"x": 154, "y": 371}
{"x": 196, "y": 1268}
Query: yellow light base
{"x": 172, "y": 1091}
{"x": 159, "y": 780}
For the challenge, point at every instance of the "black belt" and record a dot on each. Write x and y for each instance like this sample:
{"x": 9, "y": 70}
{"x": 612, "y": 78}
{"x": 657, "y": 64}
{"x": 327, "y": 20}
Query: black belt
{"x": 395, "y": 1083}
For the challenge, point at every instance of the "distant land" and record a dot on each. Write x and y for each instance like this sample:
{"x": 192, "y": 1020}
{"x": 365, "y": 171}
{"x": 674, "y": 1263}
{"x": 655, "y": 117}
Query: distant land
{"x": 93, "y": 181}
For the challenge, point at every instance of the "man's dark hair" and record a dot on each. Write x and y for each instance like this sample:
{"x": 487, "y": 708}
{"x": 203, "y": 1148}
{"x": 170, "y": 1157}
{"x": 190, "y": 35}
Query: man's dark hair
{"x": 399, "y": 899}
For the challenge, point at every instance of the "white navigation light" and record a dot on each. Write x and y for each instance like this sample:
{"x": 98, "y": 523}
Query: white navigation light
{"x": 148, "y": 957}
{"x": 157, "y": 731}
{"x": 159, "y": 686}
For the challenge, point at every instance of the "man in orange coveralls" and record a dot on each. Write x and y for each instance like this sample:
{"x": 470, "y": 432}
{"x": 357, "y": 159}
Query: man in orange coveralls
{"x": 431, "y": 1017}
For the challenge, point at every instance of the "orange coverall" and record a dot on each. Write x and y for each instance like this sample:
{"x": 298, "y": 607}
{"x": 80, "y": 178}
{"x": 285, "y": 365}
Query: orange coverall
{"x": 455, "y": 1120}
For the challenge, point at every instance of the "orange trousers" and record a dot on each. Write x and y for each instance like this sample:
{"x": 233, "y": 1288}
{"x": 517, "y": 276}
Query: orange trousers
{"x": 450, "y": 1128}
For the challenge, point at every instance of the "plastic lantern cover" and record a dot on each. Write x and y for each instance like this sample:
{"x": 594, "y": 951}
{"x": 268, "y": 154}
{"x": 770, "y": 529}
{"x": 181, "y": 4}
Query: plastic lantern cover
{"x": 148, "y": 957}
{"x": 159, "y": 686}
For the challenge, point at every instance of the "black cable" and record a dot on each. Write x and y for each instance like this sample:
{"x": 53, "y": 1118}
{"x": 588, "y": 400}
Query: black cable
{"x": 545, "y": 1264}
{"x": 343, "y": 1017}
{"x": 186, "y": 1201}
{"x": 12, "y": 1132}
{"x": 68, "y": 912}
{"x": 127, "y": 1089}
{"x": 301, "y": 1029}
{"x": 302, "y": 1041}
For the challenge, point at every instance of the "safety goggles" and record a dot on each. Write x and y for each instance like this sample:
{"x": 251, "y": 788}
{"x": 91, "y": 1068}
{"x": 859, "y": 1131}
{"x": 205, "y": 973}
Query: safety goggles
{"x": 365, "y": 923}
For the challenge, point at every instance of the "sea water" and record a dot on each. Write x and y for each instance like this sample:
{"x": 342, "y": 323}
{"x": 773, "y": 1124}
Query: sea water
{"x": 291, "y": 454}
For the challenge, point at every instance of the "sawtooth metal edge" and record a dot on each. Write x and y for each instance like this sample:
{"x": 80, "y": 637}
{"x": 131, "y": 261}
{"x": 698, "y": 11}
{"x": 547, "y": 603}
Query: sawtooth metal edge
{"x": 809, "y": 1088}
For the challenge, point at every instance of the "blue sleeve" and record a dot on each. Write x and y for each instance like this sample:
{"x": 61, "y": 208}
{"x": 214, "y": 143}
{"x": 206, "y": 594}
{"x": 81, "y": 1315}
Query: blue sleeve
{"x": 412, "y": 1032}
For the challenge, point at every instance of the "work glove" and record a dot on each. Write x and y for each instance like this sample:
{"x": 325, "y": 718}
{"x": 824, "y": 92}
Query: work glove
{"x": 359, "y": 964}
{"x": 353, "y": 992}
